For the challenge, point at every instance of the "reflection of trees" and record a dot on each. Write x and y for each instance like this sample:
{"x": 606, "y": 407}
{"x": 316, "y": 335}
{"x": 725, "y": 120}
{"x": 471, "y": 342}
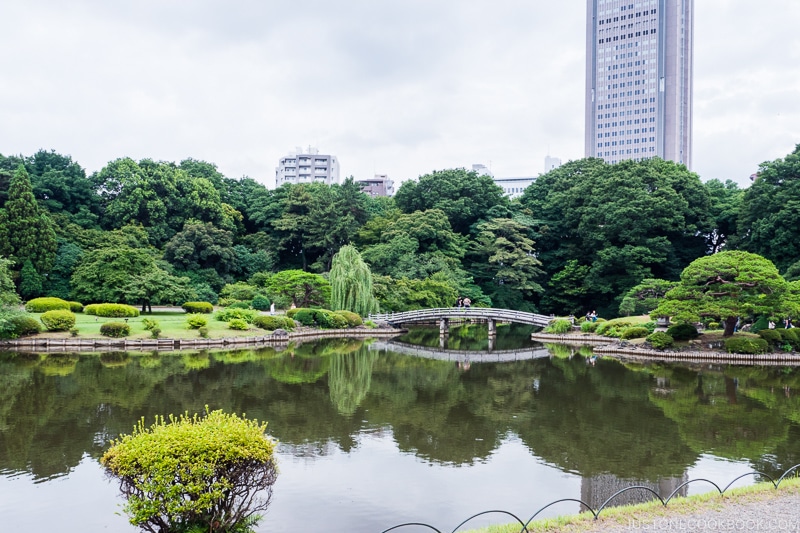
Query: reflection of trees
{"x": 471, "y": 336}
{"x": 349, "y": 379}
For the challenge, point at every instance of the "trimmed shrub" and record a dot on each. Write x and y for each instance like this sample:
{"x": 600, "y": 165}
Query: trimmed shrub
{"x": 75, "y": 307}
{"x": 307, "y": 317}
{"x": 42, "y": 305}
{"x": 772, "y": 336}
{"x": 559, "y": 326}
{"x": 238, "y": 323}
{"x": 635, "y": 332}
{"x": 149, "y": 323}
{"x": 90, "y": 309}
{"x": 116, "y": 311}
{"x": 713, "y": 325}
{"x": 651, "y": 326}
{"x": 270, "y": 323}
{"x": 203, "y": 332}
{"x": 25, "y": 325}
{"x": 749, "y": 345}
{"x": 115, "y": 329}
{"x": 288, "y": 323}
{"x": 73, "y": 332}
{"x": 239, "y": 305}
{"x": 155, "y": 332}
{"x": 353, "y": 319}
{"x": 659, "y": 340}
{"x": 683, "y": 332}
{"x": 292, "y": 312}
{"x": 58, "y": 320}
{"x": 228, "y": 314}
{"x": 198, "y": 307}
{"x": 261, "y": 302}
{"x": 790, "y": 335}
{"x": 196, "y": 321}
{"x": 588, "y": 326}
{"x": 330, "y": 320}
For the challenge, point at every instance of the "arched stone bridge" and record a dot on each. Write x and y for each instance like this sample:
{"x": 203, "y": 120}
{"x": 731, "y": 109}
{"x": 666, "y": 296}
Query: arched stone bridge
{"x": 443, "y": 354}
{"x": 444, "y": 314}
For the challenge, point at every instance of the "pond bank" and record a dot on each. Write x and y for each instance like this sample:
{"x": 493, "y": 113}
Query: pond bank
{"x": 699, "y": 353}
{"x": 75, "y": 344}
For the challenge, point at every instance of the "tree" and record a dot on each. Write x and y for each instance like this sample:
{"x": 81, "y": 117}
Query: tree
{"x": 645, "y": 297}
{"x": 156, "y": 287}
{"x": 210, "y": 473}
{"x": 103, "y": 274}
{"x": 30, "y": 282}
{"x": 726, "y": 286}
{"x": 303, "y": 289}
{"x": 726, "y": 203}
{"x": 58, "y": 281}
{"x": 351, "y": 283}
{"x": 60, "y": 185}
{"x": 770, "y": 212}
{"x": 201, "y": 245}
{"x": 26, "y": 232}
{"x": 8, "y": 293}
{"x": 464, "y": 196}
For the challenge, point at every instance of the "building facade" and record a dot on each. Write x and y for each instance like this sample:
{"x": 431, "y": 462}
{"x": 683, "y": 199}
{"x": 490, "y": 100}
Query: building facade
{"x": 307, "y": 166}
{"x": 380, "y": 185}
{"x": 639, "y": 61}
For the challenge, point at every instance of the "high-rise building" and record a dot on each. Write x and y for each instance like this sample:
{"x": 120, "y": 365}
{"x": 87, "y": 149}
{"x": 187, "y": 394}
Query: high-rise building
{"x": 639, "y": 79}
{"x": 307, "y": 166}
{"x": 380, "y": 185}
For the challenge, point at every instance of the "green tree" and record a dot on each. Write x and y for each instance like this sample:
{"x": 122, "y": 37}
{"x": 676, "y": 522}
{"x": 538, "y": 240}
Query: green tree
{"x": 209, "y": 473}
{"x": 727, "y": 285}
{"x": 30, "y": 281}
{"x": 770, "y": 213}
{"x": 303, "y": 289}
{"x": 60, "y": 185}
{"x": 26, "y": 232}
{"x": 351, "y": 283}
{"x": 464, "y": 196}
{"x": 57, "y": 284}
{"x": 726, "y": 203}
{"x": 8, "y": 293}
{"x": 156, "y": 287}
{"x": 201, "y": 245}
{"x": 103, "y": 274}
{"x": 644, "y": 297}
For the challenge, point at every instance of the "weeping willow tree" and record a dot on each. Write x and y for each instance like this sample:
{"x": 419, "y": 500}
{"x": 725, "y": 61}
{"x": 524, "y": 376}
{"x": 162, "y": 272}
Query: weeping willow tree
{"x": 351, "y": 283}
{"x": 349, "y": 379}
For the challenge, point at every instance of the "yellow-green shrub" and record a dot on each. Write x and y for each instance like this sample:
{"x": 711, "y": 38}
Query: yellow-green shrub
{"x": 41, "y": 305}
{"x": 58, "y": 320}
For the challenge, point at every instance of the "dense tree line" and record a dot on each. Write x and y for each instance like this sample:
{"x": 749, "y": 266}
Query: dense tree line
{"x": 581, "y": 237}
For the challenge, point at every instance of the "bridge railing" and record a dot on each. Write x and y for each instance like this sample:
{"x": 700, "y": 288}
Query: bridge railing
{"x": 419, "y": 315}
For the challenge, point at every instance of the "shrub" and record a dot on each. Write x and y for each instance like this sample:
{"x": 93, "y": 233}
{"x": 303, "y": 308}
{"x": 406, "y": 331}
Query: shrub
{"x": 115, "y": 329}
{"x": 791, "y": 336}
{"x": 58, "y": 320}
{"x": 292, "y": 312}
{"x": 588, "y": 326}
{"x": 559, "y": 326}
{"x": 239, "y": 291}
{"x": 772, "y": 336}
{"x": 196, "y": 321}
{"x": 659, "y": 340}
{"x": 203, "y": 332}
{"x": 75, "y": 307}
{"x": 288, "y": 323}
{"x": 149, "y": 323}
{"x": 261, "y": 302}
{"x": 74, "y": 332}
{"x": 239, "y": 305}
{"x": 228, "y": 314}
{"x": 307, "y": 317}
{"x": 42, "y": 305}
{"x": 194, "y": 473}
{"x": 749, "y": 345}
{"x": 270, "y": 323}
{"x": 330, "y": 320}
{"x": 761, "y": 323}
{"x": 225, "y": 302}
{"x": 197, "y": 307}
{"x": 115, "y": 310}
{"x": 651, "y": 326}
{"x": 682, "y": 332}
{"x": 713, "y": 325}
{"x": 353, "y": 319}
{"x": 370, "y": 324}
{"x": 90, "y": 309}
{"x": 24, "y": 325}
{"x": 155, "y": 332}
{"x": 635, "y": 332}
{"x": 238, "y": 323}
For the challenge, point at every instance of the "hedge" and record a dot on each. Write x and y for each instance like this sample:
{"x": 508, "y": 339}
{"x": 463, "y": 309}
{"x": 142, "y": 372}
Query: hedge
{"x": 196, "y": 321}
{"x": 198, "y": 307}
{"x": 42, "y": 305}
{"x": 75, "y": 307}
{"x": 635, "y": 332}
{"x": 747, "y": 345}
{"x": 261, "y": 302}
{"x": 115, "y": 329}
{"x": 25, "y": 325}
{"x": 58, "y": 320}
{"x": 659, "y": 340}
{"x": 353, "y": 319}
{"x": 682, "y": 332}
{"x": 228, "y": 314}
{"x": 329, "y": 320}
{"x": 111, "y": 310}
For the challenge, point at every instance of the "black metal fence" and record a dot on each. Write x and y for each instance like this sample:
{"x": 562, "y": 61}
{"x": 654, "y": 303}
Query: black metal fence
{"x": 596, "y": 513}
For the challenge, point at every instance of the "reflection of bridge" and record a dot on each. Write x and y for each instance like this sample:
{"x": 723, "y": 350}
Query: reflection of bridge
{"x": 497, "y": 356}
{"x": 443, "y": 316}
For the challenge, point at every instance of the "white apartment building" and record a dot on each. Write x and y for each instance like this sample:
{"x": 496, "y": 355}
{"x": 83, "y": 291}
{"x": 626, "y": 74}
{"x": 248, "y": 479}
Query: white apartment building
{"x": 307, "y": 166}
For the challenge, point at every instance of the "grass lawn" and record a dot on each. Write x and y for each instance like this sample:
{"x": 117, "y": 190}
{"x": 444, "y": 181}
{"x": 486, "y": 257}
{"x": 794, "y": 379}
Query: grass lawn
{"x": 172, "y": 323}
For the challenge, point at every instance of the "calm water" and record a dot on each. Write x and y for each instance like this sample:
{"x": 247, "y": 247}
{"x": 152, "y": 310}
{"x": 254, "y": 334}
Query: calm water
{"x": 372, "y": 438}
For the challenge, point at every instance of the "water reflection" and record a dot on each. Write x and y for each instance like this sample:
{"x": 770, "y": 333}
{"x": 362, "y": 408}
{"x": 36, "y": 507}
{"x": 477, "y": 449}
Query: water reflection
{"x": 606, "y": 425}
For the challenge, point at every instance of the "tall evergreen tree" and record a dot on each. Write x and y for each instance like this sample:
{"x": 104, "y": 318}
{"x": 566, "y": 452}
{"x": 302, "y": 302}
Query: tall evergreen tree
{"x": 351, "y": 283}
{"x": 26, "y": 232}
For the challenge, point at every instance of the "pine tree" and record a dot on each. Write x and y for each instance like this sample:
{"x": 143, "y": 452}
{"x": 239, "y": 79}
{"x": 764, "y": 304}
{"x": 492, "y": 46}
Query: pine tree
{"x": 26, "y": 232}
{"x": 351, "y": 283}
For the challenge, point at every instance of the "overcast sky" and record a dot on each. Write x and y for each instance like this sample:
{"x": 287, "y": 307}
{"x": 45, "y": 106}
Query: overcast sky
{"x": 401, "y": 87}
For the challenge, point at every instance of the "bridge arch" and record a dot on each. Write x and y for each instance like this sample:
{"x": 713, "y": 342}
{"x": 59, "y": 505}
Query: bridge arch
{"x": 489, "y": 314}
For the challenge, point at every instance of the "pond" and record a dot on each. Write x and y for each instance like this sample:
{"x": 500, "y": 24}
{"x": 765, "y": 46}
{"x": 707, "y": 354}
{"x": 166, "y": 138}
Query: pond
{"x": 372, "y": 436}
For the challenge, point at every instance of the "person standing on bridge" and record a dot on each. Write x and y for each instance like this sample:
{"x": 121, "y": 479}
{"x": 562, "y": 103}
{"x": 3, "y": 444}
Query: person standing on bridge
{"x": 467, "y": 302}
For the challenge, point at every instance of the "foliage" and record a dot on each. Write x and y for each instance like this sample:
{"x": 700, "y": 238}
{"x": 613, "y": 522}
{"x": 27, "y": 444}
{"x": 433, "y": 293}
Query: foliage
{"x": 644, "y": 297}
{"x": 559, "y": 326}
{"x": 238, "y": 323}
{"x": 327, "y": 319}
{"x": 8, "y": 293}
{"x": 229, "y": 313}
{"x": 31, "y": 283}
{"x": 408, "y": 294}
{"x": 196, "y": 321}
{"x": 772, "y": 336}
{"x": 791, "y": 336}
{"x": 659, "y": 340}
{"x": 23, "y": 325}
{"x": 149, "y": 323}
{"x": 58, "y": 320}
{"x": 203, "y": 332}
{"x": 351, "y": 283}
{"x": 212, "y": 473}
{"x": 635, "y": 332}
{"x": 305, "y": 316}
{"x": 115, "y": 329}
{"x": 76, "y": 307}
{"x": 58, "y": 283}
{"x": 155, "y": 287}
{"x": 90, "y": 309}
{"x": 201, "y": 245}
{"x": 301, "y": 288}
{"x": 260, "y": 302}
{"x": 589, "y": 326}
{"x": 270, "y": 323}
{"x": 238, "y": 305}
{"x": 683, "y": 331}
{"x": 746, "y": 345}
{"x": 104, "y": 274}
{"x": 726, "y": 285}
{"x": 113, "y": 310}
{"x": 40, "y": 305}
{"x": 353, "y": 320}
{"x": 197, "y": 307}
{"x": 155, "y": 332}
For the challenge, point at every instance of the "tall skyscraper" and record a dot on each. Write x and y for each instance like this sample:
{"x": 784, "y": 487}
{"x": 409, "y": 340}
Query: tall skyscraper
{"x": 639, "y": 79}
